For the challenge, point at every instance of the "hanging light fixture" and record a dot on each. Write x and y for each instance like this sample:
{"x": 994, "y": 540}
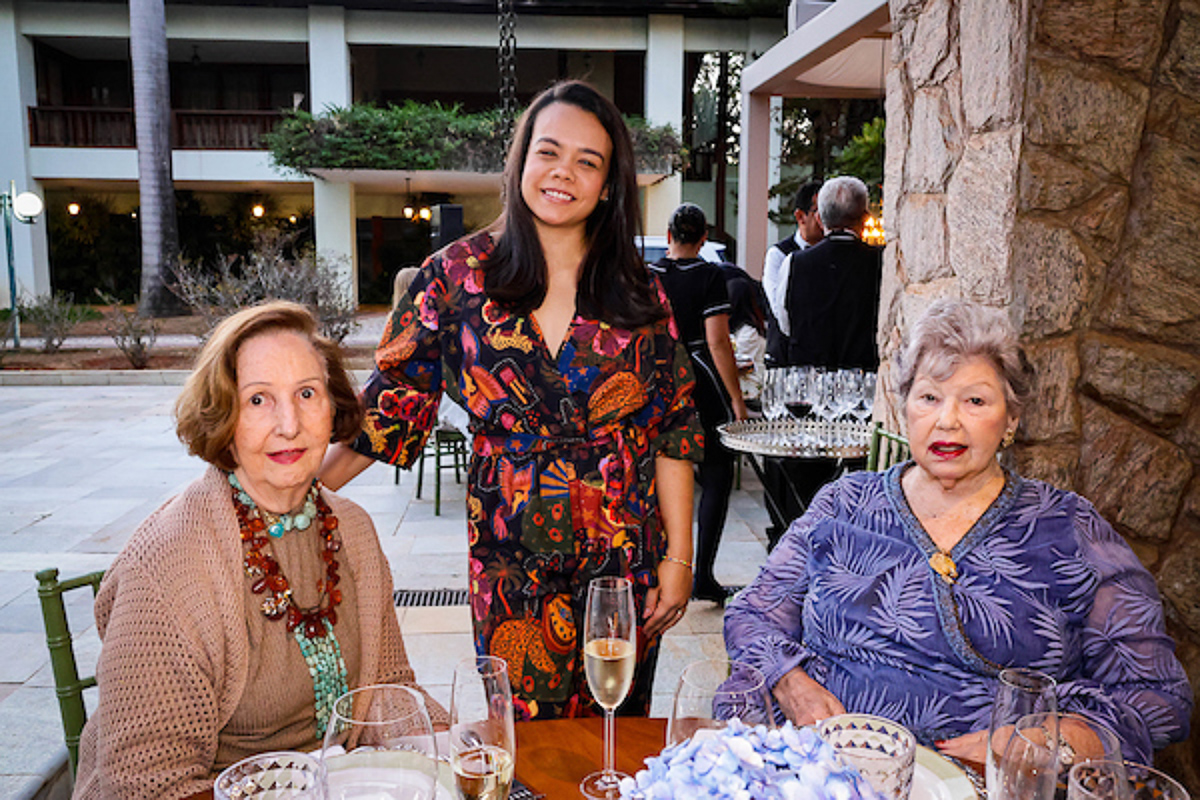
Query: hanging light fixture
{"x": 73, "y": 209}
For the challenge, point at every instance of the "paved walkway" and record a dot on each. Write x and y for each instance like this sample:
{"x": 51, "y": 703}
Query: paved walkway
{"x": 82, "y": 465}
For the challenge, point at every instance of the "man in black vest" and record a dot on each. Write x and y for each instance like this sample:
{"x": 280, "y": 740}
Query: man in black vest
{"x": 833, "y": 287}
{"x": 809, "y": 231}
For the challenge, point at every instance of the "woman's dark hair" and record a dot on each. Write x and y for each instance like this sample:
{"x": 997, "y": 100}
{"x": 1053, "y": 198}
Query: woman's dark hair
{"x": 614, "y": 285}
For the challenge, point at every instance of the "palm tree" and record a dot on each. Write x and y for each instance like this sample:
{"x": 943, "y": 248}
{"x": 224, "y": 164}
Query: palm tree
{"x": 152, "y": 116}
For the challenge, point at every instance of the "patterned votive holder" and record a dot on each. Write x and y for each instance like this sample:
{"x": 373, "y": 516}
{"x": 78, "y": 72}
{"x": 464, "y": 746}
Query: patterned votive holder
{"x": 883, "y": 751}
{"x": 281, "y": 775}
{"x": 1117, "y": 780}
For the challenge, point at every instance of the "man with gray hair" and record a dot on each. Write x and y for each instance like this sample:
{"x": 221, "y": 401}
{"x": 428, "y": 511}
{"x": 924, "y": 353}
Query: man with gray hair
{"x": 833, "y": 286}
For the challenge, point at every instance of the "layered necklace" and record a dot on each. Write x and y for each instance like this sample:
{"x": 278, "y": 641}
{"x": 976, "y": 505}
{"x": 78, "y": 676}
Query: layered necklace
{"x": 312, "y": 627}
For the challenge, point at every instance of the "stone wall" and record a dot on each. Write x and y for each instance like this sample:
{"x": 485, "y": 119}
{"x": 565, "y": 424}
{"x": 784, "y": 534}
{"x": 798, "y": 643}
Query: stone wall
{"x": 1044, "y": 156}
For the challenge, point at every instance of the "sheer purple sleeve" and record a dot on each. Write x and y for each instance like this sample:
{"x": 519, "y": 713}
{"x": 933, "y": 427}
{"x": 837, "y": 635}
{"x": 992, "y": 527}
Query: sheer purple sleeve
{"x": 1129, "y": 677}
{"x": 764, "y": 623}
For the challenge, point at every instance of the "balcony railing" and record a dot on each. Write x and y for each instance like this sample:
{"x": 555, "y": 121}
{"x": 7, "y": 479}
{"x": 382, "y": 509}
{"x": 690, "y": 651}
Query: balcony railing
{"x": 58, "y": 126}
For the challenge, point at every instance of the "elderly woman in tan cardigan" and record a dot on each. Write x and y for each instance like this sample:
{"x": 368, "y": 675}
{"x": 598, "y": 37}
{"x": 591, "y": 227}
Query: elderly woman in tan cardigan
{"x": 243, "y": 607}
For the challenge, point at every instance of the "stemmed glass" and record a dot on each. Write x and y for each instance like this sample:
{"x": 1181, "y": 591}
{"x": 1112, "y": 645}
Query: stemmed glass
{"x": 712, "y": 692}
{"x": 609, "y": 648}
{"x": 482, "y": 738}
{"x": 379, "y": 744}
{"x": 1028, "y": 768}
{"x": 1021, "y": 691}
{"x": 847, "y": 394}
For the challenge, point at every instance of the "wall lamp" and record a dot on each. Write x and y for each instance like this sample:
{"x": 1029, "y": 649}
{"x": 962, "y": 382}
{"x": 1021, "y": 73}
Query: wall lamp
{"x": 26, "y": 207}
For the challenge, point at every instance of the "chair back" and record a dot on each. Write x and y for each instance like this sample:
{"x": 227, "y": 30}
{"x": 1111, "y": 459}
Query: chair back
{"x": 67, "y": 684}
{"x": 887, "y": 448}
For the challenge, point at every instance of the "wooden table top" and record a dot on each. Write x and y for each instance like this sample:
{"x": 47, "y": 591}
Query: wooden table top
{"x": 553, "y": 756}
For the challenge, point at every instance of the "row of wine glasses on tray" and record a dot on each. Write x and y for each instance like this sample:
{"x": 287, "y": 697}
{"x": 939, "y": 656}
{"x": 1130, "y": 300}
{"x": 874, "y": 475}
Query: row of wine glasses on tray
{"x": 812, "y": 393}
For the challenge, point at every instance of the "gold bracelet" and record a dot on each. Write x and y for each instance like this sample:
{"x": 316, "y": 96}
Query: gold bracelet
{"x": 679, "y": 561}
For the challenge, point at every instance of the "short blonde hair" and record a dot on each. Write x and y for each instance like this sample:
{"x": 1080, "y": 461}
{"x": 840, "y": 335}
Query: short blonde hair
{"x": 206, "y": 411}
{"x": 951, "y": 331}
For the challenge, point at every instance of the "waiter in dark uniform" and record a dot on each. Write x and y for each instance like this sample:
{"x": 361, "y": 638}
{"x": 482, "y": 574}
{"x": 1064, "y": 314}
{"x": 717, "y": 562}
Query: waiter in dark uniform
{"x": 833, "y": 305}
{"x": 700, "y": 304}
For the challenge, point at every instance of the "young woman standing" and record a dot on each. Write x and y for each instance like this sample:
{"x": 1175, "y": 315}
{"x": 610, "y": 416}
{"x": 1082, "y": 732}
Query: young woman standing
{"x": 549, "y": 330}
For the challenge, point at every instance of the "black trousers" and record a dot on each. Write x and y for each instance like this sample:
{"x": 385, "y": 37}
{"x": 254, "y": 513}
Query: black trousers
{"x": 716, "y": 483}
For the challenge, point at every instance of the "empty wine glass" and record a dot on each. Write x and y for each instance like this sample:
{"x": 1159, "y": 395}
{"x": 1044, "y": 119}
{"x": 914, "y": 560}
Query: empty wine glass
{"x": 1122, "y": 780}
{"x": 1028, "y": 767}
{"x": 1020, "y": 692}
{"x": 282, "y": 775}
{"x": 379, "y": 744}
{"x": 609, "y": 657}
{"x": 482, "y": 738}
{"x": 714, "y": 691}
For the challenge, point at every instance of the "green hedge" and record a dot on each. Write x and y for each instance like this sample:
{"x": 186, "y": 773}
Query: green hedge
{"x": 417, "y": 136}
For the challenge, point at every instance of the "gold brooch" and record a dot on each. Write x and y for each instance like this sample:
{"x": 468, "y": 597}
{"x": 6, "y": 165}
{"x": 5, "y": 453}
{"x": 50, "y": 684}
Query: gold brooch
{"x": 944, "y": 565}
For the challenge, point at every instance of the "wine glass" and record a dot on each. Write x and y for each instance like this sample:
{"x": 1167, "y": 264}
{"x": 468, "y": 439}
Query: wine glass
{"x": 609, "y": 648}
{"x": 1028, "y": 768}
{"x": 1122, "y": 780}
{"x": 379, "y": 744}
{"x": 1020, "y": 691}
{"x": 714, "y": 691}
{"x": 282, "y": 775}
{"x": 482, "y": 739}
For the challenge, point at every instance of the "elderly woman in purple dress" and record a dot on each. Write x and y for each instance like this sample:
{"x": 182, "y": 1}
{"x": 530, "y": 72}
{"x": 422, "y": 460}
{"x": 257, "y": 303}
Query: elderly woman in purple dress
{"x": 904, "y": 593}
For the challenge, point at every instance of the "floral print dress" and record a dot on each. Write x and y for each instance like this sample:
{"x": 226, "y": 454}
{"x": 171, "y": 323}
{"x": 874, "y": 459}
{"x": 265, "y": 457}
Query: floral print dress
{"x": 561, "y": 487}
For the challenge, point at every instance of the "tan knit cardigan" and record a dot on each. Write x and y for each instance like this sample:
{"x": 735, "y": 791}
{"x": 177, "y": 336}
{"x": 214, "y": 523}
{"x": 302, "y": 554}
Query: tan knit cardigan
{"x": 173, "y": 618}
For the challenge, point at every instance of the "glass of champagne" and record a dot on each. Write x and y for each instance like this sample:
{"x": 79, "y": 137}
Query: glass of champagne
{"x": 482, "y": 739}
{"x": 379, "y": 744}
{"x": 1020, "y": 692}
{"x": 609, "y": 649}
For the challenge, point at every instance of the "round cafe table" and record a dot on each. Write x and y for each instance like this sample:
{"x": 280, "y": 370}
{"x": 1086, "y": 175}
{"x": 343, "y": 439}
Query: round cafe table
{"x": 793, "y": 440}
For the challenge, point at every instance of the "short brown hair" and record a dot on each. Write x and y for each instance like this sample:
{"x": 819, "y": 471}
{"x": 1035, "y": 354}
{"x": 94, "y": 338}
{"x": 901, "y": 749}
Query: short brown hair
{"x": 206, "y": 411}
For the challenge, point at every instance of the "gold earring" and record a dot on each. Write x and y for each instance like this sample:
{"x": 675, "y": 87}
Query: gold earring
{"x": 1009, "y": 436}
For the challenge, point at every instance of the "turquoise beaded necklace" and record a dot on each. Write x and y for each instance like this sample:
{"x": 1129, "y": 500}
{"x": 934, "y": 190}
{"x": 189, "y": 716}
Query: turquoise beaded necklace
{"x": 311, "y": 627}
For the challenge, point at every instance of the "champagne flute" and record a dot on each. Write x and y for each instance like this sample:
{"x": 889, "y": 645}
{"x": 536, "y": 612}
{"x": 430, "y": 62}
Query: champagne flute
{"x": 1028, "y": 768}
{"x": 609, "y": 649}
{"x": 1020, "y": 692}
{"x": 482, "y": 739}
{"x": 714, "y": 691}
{"x": 379, "y": 744}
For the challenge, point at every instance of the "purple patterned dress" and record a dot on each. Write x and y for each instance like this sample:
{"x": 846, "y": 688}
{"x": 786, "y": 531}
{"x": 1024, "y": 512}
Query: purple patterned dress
{"x": 1043, "y": 581}
{"x": 562, "y": 485}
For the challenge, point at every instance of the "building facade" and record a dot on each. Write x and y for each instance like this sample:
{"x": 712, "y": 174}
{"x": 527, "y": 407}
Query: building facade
{"x": 67, "y": 128}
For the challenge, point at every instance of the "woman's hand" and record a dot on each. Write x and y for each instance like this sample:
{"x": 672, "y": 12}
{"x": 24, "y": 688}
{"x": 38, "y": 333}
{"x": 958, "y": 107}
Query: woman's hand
{"x": 803, "y": 700}
{"x": 970, "y": 748}
{"x": 667, "y": 602}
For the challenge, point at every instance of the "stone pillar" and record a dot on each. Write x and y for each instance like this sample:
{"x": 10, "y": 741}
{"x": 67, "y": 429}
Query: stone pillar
{"x": 1044, "y": 157}
{"x": 664, "y": 106}
{"x": 18, "y": 91}
{"x": 329, "y": 78}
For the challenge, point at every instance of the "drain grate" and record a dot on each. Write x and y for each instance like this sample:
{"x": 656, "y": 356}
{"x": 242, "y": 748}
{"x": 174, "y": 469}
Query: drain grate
{"x": 429, "y": 598}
